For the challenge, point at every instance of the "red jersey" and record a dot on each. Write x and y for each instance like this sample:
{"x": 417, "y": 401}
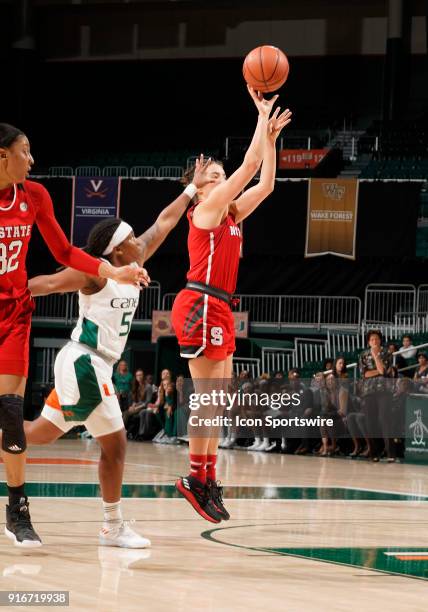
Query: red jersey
{"x": 214, "y": 253}
{"x": 20, "y": 207}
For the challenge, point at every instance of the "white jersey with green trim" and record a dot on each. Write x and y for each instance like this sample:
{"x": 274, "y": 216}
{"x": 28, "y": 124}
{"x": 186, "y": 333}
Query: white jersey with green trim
{"x": 105, "y": 318}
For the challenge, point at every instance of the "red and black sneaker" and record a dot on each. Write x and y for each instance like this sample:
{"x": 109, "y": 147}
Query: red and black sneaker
{"x": 199, "y": 496}
{"x": 216, "y": 492}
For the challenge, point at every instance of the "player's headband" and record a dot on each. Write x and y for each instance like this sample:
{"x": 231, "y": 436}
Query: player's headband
{"x": 123, "y": 230}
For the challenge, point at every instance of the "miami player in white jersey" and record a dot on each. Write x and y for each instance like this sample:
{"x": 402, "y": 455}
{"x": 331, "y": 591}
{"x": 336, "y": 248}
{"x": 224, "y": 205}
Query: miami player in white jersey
{"x": 84, "y": 392}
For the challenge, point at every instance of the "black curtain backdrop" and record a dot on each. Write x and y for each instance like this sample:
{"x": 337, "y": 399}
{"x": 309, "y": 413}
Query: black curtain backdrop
{"x": 274, "y": 239}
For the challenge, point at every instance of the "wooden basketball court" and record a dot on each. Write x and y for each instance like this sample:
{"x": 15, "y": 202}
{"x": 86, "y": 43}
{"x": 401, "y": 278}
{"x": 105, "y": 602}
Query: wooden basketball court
{"x": 306, "y": 534}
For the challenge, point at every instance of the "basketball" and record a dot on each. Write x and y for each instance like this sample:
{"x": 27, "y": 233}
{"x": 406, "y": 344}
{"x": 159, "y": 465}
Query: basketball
{"x": 266, "y": 68}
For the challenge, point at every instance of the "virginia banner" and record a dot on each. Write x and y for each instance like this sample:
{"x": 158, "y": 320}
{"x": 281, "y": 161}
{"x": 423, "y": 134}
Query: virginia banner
{"x": 331, "y": 224}
{"x": 94, "y": 199}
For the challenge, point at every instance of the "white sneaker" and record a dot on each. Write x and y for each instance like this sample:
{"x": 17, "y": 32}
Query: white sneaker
{"x": 123, "y": 537}
{"x": 230, "y": 443}
{"x": 255, "y": 445}
{"x": 263, "y": 446}
{"x": 271, "y": 446}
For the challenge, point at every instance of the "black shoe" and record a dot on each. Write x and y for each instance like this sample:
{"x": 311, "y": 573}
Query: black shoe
{"x": 18, "y": 525}
{"x": 216, "y": 492}
{"x": 198, "y": 495}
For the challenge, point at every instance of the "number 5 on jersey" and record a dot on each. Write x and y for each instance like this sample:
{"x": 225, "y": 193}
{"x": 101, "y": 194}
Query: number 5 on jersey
{"x": 216, "y": 336}
{"x": 125, "y": 325}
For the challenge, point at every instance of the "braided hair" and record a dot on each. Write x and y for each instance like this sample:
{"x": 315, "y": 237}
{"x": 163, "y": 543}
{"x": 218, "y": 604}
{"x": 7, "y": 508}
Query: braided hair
{"x": 8, "y": 135}
{"x": 100, "y": 236}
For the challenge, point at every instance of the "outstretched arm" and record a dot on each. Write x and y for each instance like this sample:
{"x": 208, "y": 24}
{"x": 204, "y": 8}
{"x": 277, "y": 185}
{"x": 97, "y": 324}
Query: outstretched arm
{"x": 249, "y": 200}
{"x": 152, "y": 238}
{"x": 62, "y": 282}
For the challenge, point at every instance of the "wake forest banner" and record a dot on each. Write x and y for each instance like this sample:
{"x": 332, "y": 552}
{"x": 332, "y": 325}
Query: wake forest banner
{"x": 94, "y": 199}
{"x": 331, "y": 225}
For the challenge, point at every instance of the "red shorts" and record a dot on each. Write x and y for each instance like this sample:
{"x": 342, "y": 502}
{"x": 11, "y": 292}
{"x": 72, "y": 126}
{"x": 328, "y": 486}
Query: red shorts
{"x": 15, "y": 326}
{"x": 204, "y": 325}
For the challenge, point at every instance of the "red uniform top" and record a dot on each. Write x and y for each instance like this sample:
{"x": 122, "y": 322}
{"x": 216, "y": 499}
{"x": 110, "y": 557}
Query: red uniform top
{"x": 214, "y": 253}
{"x": 20, "y": 207}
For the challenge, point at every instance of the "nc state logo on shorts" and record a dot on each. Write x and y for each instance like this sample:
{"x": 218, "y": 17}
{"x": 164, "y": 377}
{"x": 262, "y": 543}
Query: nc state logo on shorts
{"x": 23, "y": 206}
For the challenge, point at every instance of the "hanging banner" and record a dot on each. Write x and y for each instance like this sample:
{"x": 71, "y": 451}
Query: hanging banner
{"x": 94, "y": 199}
{"x": 331, "y": 224}
{"x": 299, "y": 159}
{"x": 162, "y": 326}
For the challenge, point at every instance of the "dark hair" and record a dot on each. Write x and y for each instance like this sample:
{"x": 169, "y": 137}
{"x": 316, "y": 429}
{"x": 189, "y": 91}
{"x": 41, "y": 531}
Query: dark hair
{"x": 136, "y": 386}
{"x": 394, "y": 345}
{"x": 335, "y": 372}
{"x": 190, "y": 172}
{"x": 326, "y": 361}
{"x": 100, "y": 236}
{"x": 421, "y": 354}
{"x": 374, "y": 332}
{"x": 8, "y": 135}
{"x": 407, "y": 336}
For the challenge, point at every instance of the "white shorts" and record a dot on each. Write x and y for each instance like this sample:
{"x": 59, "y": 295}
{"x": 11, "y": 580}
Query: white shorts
{"x": 84, "y": 392}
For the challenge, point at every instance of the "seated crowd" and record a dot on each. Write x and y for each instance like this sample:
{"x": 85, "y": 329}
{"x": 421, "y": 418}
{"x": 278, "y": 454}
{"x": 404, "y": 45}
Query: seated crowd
{"x": 366, "y": 414}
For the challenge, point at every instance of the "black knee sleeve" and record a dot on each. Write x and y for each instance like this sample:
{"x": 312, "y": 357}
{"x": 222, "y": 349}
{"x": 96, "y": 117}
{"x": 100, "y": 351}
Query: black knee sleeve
{"x": 12, "y": 424}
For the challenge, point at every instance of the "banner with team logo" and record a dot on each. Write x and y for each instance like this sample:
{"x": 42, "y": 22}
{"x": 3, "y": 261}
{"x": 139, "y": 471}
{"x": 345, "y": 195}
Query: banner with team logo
{"x": 162, "y": 326}
{"x": 94, "y": 199}
{"x": 332, "y": 217}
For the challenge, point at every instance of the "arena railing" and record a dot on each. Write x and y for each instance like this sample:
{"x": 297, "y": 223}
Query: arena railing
{"x": 247, "y": 364}
{"x": 64, "y": 307}
{"x": 283, "y": 311}
{"x": 309, "y": 349}
{"x": 382, "y": 301}
{"x": 422, "y": 298}
{"x": 277, "y": 359}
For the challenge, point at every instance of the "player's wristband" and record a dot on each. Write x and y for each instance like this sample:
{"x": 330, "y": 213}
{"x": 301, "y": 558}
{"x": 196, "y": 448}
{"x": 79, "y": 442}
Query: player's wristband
{"x": 191, "y": 190}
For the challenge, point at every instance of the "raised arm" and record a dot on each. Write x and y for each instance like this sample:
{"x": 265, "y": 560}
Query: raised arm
{"x": 225, "y": 193}
{"x": 249, "y": 200}
{"x": 152, "y": 238}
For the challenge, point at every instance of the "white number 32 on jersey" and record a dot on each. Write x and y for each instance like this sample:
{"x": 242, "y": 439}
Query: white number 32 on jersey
{"x": 216, "y": 336}
{"x": 9, "y": 256}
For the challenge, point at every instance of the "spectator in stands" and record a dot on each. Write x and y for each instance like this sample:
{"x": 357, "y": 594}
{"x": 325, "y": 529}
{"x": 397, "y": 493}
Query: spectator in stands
{"x": 339, "y": 368}
{"x": 122, "y": 380}
{"x": 279, "y": 374}
{"x": 377, "y": 397}
{"x": 334, "y": 405}
{"x": 310, "y": 433}
{"x": 183, "y": 410}
{"x": 407, "y": 348}
{"x": 408, "y": 352}
{"x": 421, "y": 373}
{"x": 295, "y": 385}
{"x": 400, "y": 362}
{"x": 137, "y": 396}
{"x": 356, "y": 424}
{"x": 141, "y": 395}
{"x": 170, "y": 413}
{"x": 404, "y": 387}
{"x": 150, "y": 387}
{"x": 328, "y": 364}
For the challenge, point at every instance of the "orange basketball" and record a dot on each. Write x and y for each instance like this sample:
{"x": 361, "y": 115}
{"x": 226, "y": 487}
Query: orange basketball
{"x": 266, "y": 68}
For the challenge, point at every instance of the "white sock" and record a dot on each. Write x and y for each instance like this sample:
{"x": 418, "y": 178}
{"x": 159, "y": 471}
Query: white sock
{"x": 112, "y": 515}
